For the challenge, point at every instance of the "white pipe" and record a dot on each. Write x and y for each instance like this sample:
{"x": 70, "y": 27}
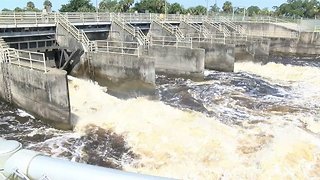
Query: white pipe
{"x": 7, "y": 149}
{"x": 37, "y": 166}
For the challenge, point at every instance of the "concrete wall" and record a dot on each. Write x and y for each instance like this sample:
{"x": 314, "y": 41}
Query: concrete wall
{"x": 244, "y": 52}
{"x": 253, "y": 50}
{"x": 307, "y": 44}
{"x": 261, "y": 49}
{"x": 117, "y": 68}
{"x": 269, "y": 29}
{"x": 178, "y": 60}
{"x": 309, "y": 24}
{"x": 157, "y": 30}
{"x": 212, "y": 29}
{"x": 117, "y": 33}
{"x": 66, "y": 40}
{"x": 219, "y": 57}
{"x": 186, "y": 29}
{"x": 45, "y": 95}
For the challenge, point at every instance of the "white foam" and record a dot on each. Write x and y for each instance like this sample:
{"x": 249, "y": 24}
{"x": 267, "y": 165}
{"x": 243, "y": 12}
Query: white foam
{"x": 189, "y": 145}
{"x": 23, "y": 113}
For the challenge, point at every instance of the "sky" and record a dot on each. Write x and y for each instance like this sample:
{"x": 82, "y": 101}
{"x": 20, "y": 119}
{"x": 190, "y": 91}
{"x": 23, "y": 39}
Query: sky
{"x": 11, "y": 4}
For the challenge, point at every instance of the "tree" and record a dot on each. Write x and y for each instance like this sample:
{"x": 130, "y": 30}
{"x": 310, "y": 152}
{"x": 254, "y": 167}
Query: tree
{"x": 265, "y": 11}
{"x": 124, "y": 5}
{"x": 298, "y": 8}
{"x": 215, "y": 8}
{"x": 238, "y": 10}
{"x": 227, "y": 7}
{"x": 5, "y": 10}
{"x": 198, "y": 10}
{"x": 30, "y": 6}
{"x": 253, "y": 10}
{"x": 153, "y": 6}
{"x": 18, "y": 9}
{"x": 108, "y": 5}
{"x": 176, "y": 8}
{"x": 47, "y": 5}
{"x": 77, "y": 6}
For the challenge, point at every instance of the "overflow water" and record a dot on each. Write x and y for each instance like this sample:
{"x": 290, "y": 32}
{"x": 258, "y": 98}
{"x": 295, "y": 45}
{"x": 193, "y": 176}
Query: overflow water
{"x": 261, "y": 122}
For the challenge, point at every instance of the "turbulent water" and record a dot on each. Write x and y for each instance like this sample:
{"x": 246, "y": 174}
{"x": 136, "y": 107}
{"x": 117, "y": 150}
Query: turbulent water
{"x": 261, "y": 122}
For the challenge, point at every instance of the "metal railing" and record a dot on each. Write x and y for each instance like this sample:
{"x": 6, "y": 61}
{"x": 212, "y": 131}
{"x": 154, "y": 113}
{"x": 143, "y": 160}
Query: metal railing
{"x": 28, "y": 59}
{"x": 171, "y": 29}
{"x": 135, "y": 32}
{"x": 169, "y": 41}
{"x": 118, "y": 47}
{"x": 136, "y": 17}
{"x": 16, "y": 18}
{"x": 316, "y": 28}
{"x": 292, "y": 35}
{"x": 196, "y": 27}
{"x": 83, "y": 18}
{"x": 218, "y": 26}
{"x": 32, "y": 60}
{"x": 229, "y": 23}
{"x": 80, "y": 36}
{"x": 32, "y": 18}
{"x": 213, "y": 38}
{"x": 205, "y": 31}
{"x": 263, "y": 19}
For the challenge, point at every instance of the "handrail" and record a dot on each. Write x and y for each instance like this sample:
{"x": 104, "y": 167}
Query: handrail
{"x": 136, "y": 32}
{"x": 292, "y": 35}
{"x": 205, "y": 31}
{"x": 171, "y": 29}
{"x": 80, "y": 36}
{"x": 118, "y": 47}
{"x": 80, "y": 17}
{"x": 218, "y": 27}
{"x": 168, "y": 41}
{"x": 231, "y": 24}
{"x": 32, "y": 60}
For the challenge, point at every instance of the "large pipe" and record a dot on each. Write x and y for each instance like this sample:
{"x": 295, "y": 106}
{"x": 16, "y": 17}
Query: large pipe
{"x": 34, "y": 165}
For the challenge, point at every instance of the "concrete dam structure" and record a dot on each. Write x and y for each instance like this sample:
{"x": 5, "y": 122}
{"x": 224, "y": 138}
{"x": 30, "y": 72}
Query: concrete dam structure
{"x": 37, "y": 51}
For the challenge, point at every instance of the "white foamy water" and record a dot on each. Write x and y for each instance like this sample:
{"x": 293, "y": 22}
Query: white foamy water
{"x": 189, "y": 145}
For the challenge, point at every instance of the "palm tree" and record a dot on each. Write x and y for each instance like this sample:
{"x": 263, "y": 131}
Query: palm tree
{"x": 124, "y": 5}
{"x": 30, "y": 6}
{"x": 47, "y": 5}
{"x": 227, "y": 7}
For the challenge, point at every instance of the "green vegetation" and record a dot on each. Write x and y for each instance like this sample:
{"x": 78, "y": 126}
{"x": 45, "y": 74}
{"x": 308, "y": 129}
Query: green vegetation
{"x": 291, "y": 9}
{"x": 227, "y": 7}
{"x": 78, "y": 6}
{"x": 31, "y": 7}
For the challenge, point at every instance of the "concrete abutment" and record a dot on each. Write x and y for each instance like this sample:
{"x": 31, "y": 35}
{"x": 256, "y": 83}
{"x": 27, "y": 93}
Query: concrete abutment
{"x": 44, "y": 95}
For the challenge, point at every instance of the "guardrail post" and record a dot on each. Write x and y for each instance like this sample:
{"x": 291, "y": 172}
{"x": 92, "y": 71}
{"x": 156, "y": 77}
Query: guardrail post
{"x": 30, "y": 60}
{"x": 44, "y": 63}
{"x": 15, "y": 19}
{"x": 122, "y": 52}
{"x": 35, "y": 14}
